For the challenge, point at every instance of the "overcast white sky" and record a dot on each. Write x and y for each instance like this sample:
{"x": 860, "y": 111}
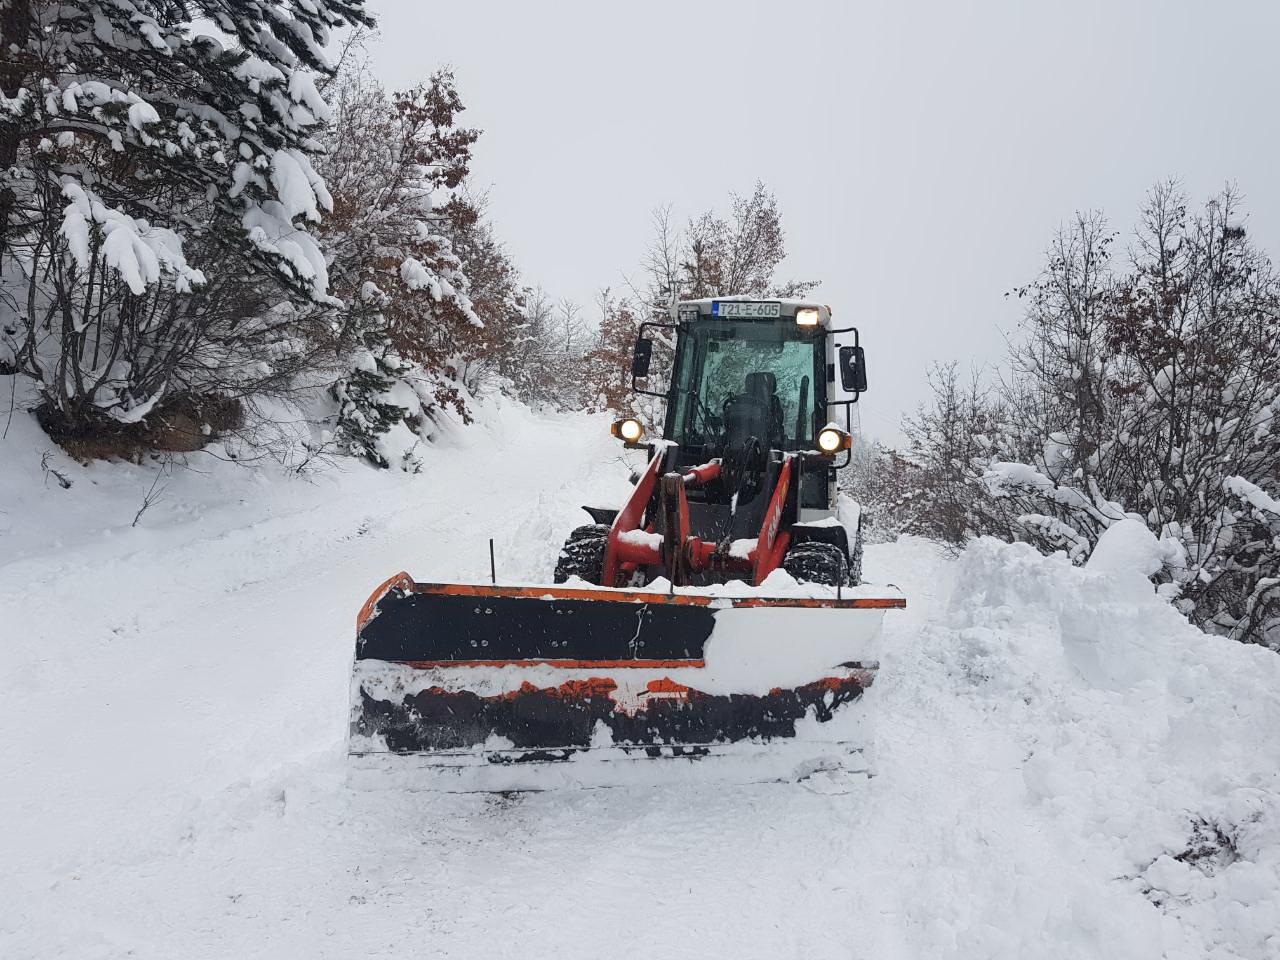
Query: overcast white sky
{"x": 922, "y": 153}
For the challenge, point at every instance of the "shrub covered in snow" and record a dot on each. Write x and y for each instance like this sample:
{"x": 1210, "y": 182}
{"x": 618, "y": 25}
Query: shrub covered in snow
{"x": 887, "y": 486}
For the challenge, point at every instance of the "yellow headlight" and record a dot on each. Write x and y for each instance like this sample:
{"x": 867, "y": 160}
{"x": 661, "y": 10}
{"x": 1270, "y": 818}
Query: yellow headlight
{"x": 807, "y": 317}
{"x": 629, "y": 429}
{"x": 830, "y": 440}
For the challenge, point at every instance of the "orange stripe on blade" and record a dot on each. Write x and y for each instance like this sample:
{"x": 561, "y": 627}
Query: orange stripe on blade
{"x": 568, "y": 664}
{"x": 603, "y": 595}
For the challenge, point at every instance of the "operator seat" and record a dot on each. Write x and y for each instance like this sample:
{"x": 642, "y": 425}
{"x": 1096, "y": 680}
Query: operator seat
{"x": 757, "y": 411}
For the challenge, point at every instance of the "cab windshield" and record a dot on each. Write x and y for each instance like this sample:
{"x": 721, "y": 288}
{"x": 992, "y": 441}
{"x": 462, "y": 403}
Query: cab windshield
{"x": 765, "y": 379}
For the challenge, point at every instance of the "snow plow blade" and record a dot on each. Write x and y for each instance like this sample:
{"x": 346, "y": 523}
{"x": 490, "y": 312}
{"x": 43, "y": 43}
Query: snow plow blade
{"x": 460, "y": 676}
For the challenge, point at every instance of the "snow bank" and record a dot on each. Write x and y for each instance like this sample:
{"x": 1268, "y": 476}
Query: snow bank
{"x": 1148, "y": 753}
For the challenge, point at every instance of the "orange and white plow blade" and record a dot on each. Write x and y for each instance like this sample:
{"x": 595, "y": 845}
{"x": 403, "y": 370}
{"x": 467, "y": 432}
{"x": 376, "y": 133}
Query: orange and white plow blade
{"x": 584, "y": 685}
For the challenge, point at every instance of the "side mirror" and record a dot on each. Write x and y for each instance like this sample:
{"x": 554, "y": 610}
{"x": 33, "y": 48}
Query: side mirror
{"x": 640, "y": 359}
{"x": 853, "y": 369}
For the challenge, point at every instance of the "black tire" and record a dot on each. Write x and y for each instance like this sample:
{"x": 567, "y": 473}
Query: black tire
{"x": 588, "y": 531}
{"x": 813, "y": 562}
{"x": 583, "y": 554}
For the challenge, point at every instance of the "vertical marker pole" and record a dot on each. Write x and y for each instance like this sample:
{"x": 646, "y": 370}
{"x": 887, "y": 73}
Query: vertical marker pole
{"x": 493, "y": 570}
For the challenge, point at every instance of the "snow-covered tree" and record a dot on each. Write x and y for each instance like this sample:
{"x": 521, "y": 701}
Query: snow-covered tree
{"x": 1057, "y": 385}
{"x": 1147, "y": 390}
{"x": 157, "y": 195}
{"x": 888, "y": 487}
{"x": 543, "y": 359}
{"x": 951, "y": 441}
{"x": 433, "y": 308}
{"x": 1242, "y": 596}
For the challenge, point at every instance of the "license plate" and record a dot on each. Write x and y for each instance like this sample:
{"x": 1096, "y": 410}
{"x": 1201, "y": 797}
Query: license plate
{"x": 746, "y": 309}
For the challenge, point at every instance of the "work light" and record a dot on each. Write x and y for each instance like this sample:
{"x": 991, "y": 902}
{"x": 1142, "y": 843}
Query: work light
{"x": 628, "y": 429}
{"x": 807, "y": 317}
{"x": 832, "y": 439}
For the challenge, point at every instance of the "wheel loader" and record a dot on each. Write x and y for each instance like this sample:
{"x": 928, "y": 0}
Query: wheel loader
{"x": 717, "y": 616}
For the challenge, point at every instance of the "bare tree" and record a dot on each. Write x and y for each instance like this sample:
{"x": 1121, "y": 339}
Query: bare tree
{"x": 568, "y": 326}
{"x": 1059, "y": 366}
{"x": 951, "y": 439}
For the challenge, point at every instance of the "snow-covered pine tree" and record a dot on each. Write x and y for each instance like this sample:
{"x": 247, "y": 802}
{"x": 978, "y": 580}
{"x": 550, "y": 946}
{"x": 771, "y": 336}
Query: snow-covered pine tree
{"x": 367, "y": 410}
{"x": 156, "y": 187}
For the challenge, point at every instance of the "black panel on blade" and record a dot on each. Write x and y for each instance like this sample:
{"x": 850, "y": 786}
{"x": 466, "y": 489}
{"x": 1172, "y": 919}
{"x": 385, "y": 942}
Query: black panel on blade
{"x": 566, "y": 717}
{"x": 425, "y": 626}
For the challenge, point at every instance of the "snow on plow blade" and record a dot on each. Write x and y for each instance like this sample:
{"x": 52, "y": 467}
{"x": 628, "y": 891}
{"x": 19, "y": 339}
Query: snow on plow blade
{"x": 464, "y": 676}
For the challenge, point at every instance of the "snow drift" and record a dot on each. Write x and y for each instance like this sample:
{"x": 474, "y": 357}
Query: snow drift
{"x": 1144, "y": 747}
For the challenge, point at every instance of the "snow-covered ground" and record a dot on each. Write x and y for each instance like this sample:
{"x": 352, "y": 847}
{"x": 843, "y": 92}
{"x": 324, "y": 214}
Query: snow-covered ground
{"x": 1064, "y": 768}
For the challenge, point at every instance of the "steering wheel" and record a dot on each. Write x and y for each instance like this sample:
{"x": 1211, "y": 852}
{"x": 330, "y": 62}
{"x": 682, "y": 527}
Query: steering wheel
{"x": 743, "y": 466}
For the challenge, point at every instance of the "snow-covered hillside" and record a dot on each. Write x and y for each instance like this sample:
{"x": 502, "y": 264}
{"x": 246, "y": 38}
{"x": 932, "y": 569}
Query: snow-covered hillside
{"x": 1064, "y": 768}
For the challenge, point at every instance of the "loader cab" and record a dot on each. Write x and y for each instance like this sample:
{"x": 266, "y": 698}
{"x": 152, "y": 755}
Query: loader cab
{"x": 735, "y": 378}
{"x": 751, "y": 372}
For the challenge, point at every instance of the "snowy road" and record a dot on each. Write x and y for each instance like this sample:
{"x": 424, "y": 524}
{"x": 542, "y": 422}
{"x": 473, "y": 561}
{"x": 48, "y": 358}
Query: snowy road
{"x": 174, "y": 702}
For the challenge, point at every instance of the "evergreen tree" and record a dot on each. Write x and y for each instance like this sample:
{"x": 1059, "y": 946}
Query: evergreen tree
{"x": 155, "y": 191}
{"x": 365, "y": 412}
